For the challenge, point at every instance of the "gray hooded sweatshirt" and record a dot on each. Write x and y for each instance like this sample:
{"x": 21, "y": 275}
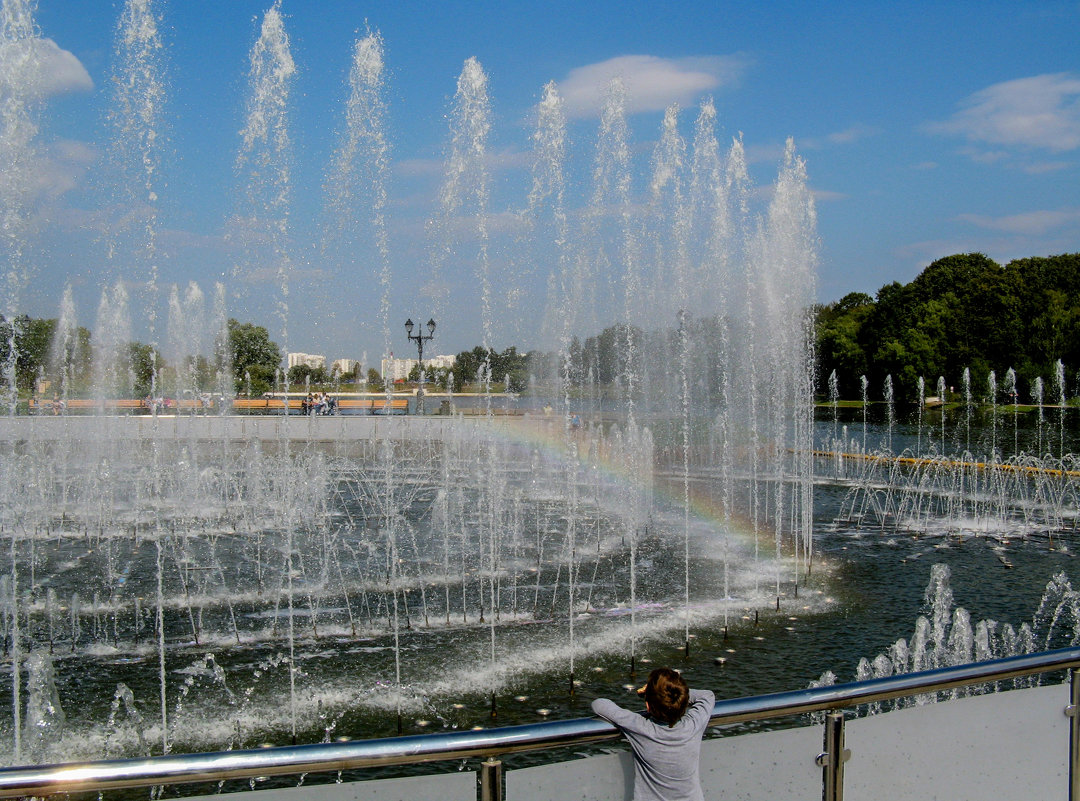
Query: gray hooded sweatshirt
{"x": 665, "y": 757}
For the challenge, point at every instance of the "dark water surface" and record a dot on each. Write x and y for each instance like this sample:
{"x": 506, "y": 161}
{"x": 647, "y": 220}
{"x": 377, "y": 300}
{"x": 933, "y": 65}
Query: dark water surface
{"x": 865, "y": 591}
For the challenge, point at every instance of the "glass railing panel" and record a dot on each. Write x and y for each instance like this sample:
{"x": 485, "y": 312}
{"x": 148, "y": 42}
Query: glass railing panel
{"x": 1002, "y": 745}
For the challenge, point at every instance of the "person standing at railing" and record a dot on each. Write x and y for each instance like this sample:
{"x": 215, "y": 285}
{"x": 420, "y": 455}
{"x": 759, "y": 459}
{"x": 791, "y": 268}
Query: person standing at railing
{"x": 666, "y": 740}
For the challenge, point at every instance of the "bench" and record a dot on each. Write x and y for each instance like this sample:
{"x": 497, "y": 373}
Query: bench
{"x": 242, "y": 405}
{"x": 373, "y": 405}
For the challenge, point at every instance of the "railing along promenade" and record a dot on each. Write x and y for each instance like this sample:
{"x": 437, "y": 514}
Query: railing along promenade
{"x": 490, "y": 744}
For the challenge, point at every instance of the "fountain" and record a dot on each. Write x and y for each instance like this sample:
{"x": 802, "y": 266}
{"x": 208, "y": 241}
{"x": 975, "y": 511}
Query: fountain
{"x": 948, "y": 637}
{"x": 174, "y": 583}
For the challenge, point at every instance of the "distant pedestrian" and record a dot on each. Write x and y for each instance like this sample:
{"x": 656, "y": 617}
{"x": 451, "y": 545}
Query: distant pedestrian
{"x": 666, "y": 741}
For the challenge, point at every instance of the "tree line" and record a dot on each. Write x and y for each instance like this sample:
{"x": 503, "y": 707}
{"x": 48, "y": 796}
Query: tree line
{"x": 962, "y": 312}
{"x": 249, "y": 356}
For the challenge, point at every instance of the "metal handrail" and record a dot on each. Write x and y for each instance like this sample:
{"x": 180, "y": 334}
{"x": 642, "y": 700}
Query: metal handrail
{"x": 224, "y": 765}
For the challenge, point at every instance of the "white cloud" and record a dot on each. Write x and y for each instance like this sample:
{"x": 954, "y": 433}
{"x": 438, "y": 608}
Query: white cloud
{"x": 652, "y": 83}
{"x": 1043, "y": 167}
{"x": 827, "y": 195}
{"x": 851, "y": 134}
{"x": 847, "y": 136}
{"x": 61, "y": 71}
{"x": 1038, "y": 112}
{"x": 62, "y": 167}
{"x": 1031, "y": 223}
{"x": 44, "y": 69}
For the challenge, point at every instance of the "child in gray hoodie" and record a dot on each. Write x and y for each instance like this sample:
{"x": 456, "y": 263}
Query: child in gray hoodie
{"x": 666, "y": 741}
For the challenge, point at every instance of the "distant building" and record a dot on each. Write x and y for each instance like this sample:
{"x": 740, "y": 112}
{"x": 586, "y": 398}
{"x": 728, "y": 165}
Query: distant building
{"x": 343, "y": 366}
{"x": 307, "y": 360}
{"x": 440, "y": 363}
{"x": 397, "y": 369}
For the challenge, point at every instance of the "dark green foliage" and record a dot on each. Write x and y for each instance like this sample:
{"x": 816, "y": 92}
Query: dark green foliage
{"x": 143, "y": 360}
{"x": 470, "y": 366}
{"x": 32, "y": 340}
{"x": 374, "y": 380}
{"x": 33, "y": 343}
{"x": 252, "y": 354}
{"x": 838, "y": 346}
{"x": 963, "y": 311}
{"x": 302, "y": 374}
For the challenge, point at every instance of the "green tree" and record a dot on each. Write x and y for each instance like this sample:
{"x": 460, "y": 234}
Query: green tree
{"x": 32, "y": 339}
{"x": 438, "y": 377}
{"x": 347, "y": 377}
{"x": 301, "y": 374}
{"x": 839, "y": 346}
{"x": 469, "y": 364}
{"x": 962, "y": 312}
{"x": 374, "y": 380}
{"x": 143, "y": 360}
{"x": 253, "y": 354}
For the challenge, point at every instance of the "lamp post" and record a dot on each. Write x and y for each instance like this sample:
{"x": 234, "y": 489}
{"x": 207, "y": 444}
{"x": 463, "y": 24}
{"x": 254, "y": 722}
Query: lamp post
{"x": 419, "y": 338}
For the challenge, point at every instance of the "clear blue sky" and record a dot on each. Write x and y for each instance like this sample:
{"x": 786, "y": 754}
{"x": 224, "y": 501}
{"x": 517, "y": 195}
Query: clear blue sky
{"x": 928, "y": 128}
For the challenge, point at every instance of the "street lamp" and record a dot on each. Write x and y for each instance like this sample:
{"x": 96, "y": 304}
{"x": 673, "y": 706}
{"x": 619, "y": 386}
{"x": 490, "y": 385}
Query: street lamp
{"x": 419, "y": 338}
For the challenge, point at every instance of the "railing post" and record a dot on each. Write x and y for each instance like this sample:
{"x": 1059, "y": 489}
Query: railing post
{"x": 832, "y": 759}
{"x": 491, "y": 780}
{"x": 1073, "y": 711}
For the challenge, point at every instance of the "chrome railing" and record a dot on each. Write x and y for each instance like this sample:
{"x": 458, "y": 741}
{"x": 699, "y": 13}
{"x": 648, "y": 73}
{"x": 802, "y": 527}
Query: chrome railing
{"x": 491, "y": 743}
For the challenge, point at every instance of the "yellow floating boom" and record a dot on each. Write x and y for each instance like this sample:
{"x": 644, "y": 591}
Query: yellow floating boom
{"x": 920, "y": 461}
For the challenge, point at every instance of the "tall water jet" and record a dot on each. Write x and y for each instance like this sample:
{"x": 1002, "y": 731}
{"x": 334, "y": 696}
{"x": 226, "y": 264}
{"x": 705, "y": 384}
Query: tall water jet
{"x": 969, "y": 408}
{"x": 547, "y": 221}
{"x": 920, "y": 405}
{"x": 834, "y": 403}
{"x": 261, "y": 225}
{"x": 112, "y": 376}
{"x": 864, "y": 385}
{"x": 1037, "y": 399}
{"x": 1011, "y": 393}
{"x": 942, "y": 399}
{"x": 358, "y": 176}
{"x": 890, "y": 411}
{"x": 1059, "y": 385}
{"x": 264, "y": 166}
{"x": 221, "y": 360}
{"x": 463, "y": 198}
{"x": 20, "y": 109}
{"x": 65, "y": 350}
{"x": 611, "y": 193}
{"x": 138, "y": 143}
{"x": 992, "y": 397}
{"x": 187, "y": 325}
{"x": 791, "y": 252}
{"x": 672, "y": 289}
{"x": 713, "y": 268}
